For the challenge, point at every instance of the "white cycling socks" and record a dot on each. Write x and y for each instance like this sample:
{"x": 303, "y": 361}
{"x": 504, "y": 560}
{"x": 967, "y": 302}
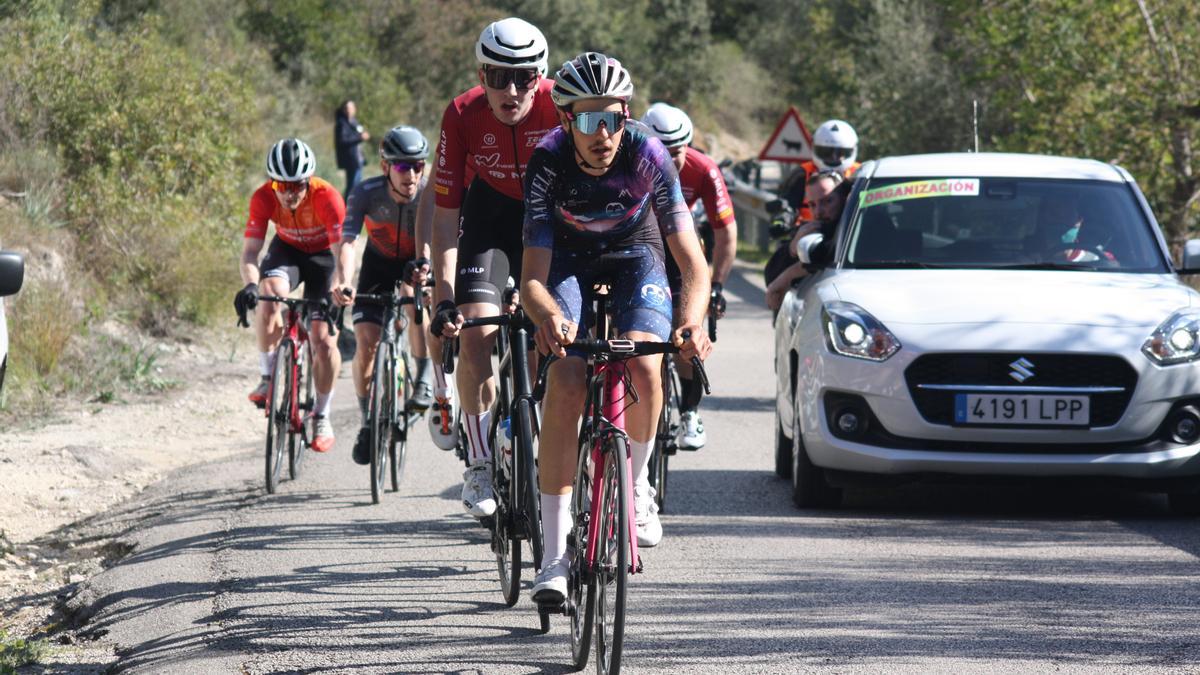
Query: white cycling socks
{"x": 266, "y": 362}
{"x": 640, "y": 452}
{"x": 477, "y": 428}
{"x": 556, "y": 523}
{"x": 323, "y": 405}
{"x": 440, "y": 388}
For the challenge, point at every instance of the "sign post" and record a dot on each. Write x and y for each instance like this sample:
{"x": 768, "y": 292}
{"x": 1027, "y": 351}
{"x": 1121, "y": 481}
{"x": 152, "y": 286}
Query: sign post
{"x": 791, "y": 141}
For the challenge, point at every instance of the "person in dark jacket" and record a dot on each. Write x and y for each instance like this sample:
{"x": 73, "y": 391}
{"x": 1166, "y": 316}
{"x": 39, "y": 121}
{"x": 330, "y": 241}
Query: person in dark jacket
{"x": 347, "y": 135}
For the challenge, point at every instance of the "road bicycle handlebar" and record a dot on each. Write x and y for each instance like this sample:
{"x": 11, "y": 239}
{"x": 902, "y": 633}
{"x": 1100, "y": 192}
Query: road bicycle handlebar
{"x": 396, "y": 301}
{"x": 619, "y": 349}
{"x": 294, "y": 304}
{"x": 498, "y": 320}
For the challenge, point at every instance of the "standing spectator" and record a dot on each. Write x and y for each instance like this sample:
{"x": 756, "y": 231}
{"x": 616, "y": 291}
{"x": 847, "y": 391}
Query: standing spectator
{"x": 347, "y": 135}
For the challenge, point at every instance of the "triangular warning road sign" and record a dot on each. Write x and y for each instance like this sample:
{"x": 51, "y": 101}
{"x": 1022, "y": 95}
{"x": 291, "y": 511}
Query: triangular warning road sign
{"x": 791, "y": 141}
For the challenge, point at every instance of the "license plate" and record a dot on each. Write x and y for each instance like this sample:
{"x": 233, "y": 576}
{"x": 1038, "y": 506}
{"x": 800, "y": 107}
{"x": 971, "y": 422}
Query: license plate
{"x": 1022, "y": 410}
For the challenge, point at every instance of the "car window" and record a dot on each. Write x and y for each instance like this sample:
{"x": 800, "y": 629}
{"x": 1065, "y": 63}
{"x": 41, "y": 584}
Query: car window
{"x": 1001, "y": 222}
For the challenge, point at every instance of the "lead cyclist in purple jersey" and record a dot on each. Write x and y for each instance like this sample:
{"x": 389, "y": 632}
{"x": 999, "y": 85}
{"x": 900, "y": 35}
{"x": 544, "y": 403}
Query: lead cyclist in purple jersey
{"x": 591, "y": 189}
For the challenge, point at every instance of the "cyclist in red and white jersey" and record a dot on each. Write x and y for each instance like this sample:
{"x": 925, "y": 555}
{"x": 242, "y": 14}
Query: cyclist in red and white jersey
{"x": 307, "y": 213}
{"x": 489, "y": 131}
{"x": 701, "y": 180}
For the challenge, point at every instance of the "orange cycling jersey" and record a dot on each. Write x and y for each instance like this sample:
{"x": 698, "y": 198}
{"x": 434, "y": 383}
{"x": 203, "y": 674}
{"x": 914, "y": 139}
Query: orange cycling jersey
{"x": 314, "y": 226}
{"x": 701, "y": 179}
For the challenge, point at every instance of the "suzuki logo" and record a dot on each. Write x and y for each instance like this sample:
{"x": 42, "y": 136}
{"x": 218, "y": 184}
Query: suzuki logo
{"x": 1022, "y": 369}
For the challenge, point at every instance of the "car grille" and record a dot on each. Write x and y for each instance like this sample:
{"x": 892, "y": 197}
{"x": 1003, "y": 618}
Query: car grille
{"x": 993, "y": 370}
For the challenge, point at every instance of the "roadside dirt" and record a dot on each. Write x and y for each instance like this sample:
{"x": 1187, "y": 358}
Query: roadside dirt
{"x": 57, "y": 480}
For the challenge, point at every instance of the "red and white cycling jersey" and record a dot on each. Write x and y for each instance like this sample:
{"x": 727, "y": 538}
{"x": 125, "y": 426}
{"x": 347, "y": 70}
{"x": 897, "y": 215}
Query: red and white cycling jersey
{"x": 474, "y": 142}
{"x": 315, "y": 225}
{"x": 701, "y": 179}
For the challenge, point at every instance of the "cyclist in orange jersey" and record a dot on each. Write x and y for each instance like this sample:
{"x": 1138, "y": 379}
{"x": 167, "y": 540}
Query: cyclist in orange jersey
{"x": 307, "y": 213}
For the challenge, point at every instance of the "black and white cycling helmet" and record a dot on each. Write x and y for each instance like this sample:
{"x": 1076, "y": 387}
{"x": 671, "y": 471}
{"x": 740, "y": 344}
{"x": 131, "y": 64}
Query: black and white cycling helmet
{"x": 835, "y": 145}
{"x": 402, "y": 143}
{"x": 291, "y": 160}
{"x": 512, "y": 43}
{"x": 669, "y": 124}
{"x": 591, "y": 75}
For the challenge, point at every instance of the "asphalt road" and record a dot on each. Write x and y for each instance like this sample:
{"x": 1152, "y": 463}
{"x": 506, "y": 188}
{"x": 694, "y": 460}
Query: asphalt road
{"x": 225, "y": 578}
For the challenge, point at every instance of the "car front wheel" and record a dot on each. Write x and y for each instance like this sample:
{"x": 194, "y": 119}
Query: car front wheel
{"x": 809, "y": 487}
{"x": 783, "y": 450}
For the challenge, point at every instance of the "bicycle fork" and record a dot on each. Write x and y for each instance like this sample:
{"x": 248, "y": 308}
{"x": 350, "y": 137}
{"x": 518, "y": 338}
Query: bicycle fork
{"x": 614, "y": 416}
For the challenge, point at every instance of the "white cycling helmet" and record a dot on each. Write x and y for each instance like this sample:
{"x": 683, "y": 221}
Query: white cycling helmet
{"x": 591, "y": 75}
{"x": 835, "y": 146}
{"x": 290, "y": 160}
{"x": 669, "y": 124}
{"x": 512, "y": 43}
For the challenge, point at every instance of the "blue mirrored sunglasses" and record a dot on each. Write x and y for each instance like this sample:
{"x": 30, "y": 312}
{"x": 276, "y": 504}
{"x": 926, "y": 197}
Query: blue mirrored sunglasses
{"x": 589, "y": 122}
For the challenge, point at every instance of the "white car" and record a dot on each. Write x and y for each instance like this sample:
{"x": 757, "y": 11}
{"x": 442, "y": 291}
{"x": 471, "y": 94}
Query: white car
{"x": 12, "y": 275}
{"x": 991, "y": 314}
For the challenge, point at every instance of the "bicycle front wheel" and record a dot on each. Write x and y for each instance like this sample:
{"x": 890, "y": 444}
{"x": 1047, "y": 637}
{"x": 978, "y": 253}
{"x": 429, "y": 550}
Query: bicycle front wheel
{"x": 581, "y": 583}
{"x": 279, "y": 412}
{"x": 612, "y": 558}
{"x": 380, "y": 411}
{"x": 398, "y": 447}
{"x": 297, "y": 448}
{"x": 531, "y": 511}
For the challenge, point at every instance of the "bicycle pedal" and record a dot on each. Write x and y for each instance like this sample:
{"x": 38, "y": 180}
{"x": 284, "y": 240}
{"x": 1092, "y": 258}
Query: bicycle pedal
{"x": 552, "y": 606}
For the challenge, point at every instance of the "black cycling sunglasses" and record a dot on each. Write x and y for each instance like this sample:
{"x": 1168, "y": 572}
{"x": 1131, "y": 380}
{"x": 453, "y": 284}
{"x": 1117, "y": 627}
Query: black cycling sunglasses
{"x": 499, "y": 78}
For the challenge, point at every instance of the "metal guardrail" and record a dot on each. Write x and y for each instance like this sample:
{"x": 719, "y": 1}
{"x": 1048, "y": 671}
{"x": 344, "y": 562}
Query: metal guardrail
{"x": 748, "y": 185}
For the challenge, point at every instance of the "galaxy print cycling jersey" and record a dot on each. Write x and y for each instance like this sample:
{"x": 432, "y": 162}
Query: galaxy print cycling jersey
{"x": 568, "y": 209}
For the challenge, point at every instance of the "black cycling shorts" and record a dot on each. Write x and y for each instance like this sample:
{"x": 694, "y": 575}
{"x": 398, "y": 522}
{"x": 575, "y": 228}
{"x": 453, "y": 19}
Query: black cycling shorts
{"x": 489, "y": 245}
{"x": 378, "y": 275}
{"x": 314, "y": 270}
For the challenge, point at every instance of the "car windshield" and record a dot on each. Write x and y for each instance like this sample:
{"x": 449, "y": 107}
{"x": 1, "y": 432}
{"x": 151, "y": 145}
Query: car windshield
{"x": 1010, "y": 223}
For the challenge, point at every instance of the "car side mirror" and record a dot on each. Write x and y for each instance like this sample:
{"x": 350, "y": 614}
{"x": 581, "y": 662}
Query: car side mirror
{"x": 12, "y": 272}
{"x": 1191, "y": 257}
{"x": 807, "y": 246}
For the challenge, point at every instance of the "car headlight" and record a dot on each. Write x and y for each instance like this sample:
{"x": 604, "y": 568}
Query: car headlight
{"x": 851, "y": 331}
{"x": 1176, "y": 340}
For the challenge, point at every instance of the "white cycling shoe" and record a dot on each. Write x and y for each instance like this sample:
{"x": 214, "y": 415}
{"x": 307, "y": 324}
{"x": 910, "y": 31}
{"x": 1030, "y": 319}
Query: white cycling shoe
{"x": 645, "y": 510}
{"x": 445, "y": 439}
{"x": 550, "y": 587}
{"x": 478, "y": 498}
{"x": 692, "y": 436}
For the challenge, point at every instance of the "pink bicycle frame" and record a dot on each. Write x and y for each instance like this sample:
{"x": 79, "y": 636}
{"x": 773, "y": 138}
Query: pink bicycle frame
{"x": 614, "y": 410}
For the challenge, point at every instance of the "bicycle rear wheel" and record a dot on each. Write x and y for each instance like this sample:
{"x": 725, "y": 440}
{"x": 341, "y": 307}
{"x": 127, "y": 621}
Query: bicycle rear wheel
{"x": 612, "y": 558}
{"x": 279, "y": 412}
{"x": 380, "y": 410}
{"x": 297, "y": 448}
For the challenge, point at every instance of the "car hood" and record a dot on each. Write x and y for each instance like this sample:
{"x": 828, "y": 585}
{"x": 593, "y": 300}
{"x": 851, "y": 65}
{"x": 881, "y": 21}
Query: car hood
{"x": 1012, "y": 296}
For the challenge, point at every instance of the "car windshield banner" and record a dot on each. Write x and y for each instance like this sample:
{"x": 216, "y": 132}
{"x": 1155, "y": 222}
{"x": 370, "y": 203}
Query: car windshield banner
{"x": 940, "y": 187}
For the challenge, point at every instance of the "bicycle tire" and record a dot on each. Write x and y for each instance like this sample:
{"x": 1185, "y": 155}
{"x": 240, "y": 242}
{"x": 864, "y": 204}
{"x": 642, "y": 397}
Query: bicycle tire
{"x": 524, "y": 463}
{"x": 398, "y": 448}
{"x": 505, "y": 543}
{"x": 379, "y": 414}
{"x": 581, "y": 584}
{"x": 297, "y": 448}
{"x": 278, "y": 414}
{"x": 612, "y": 558}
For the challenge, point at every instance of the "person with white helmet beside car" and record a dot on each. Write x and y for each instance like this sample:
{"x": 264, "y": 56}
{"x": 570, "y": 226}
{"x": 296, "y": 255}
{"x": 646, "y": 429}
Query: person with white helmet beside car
{"x": 835, "y": 149}
{"x": 701, "y": 180}
{"x": 307, "y": 213}
{"x": 603, "y": 201}
{"x": 490, "y": 132}
{"x": 387, "y": 206}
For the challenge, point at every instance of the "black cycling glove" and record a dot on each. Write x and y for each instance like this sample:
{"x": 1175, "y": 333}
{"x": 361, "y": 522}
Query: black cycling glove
{"x": 445, "y": 314}
{"x": 718, "y": 299}
{"x": 244, "y": 301}
{"x": 411, "y": 267}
